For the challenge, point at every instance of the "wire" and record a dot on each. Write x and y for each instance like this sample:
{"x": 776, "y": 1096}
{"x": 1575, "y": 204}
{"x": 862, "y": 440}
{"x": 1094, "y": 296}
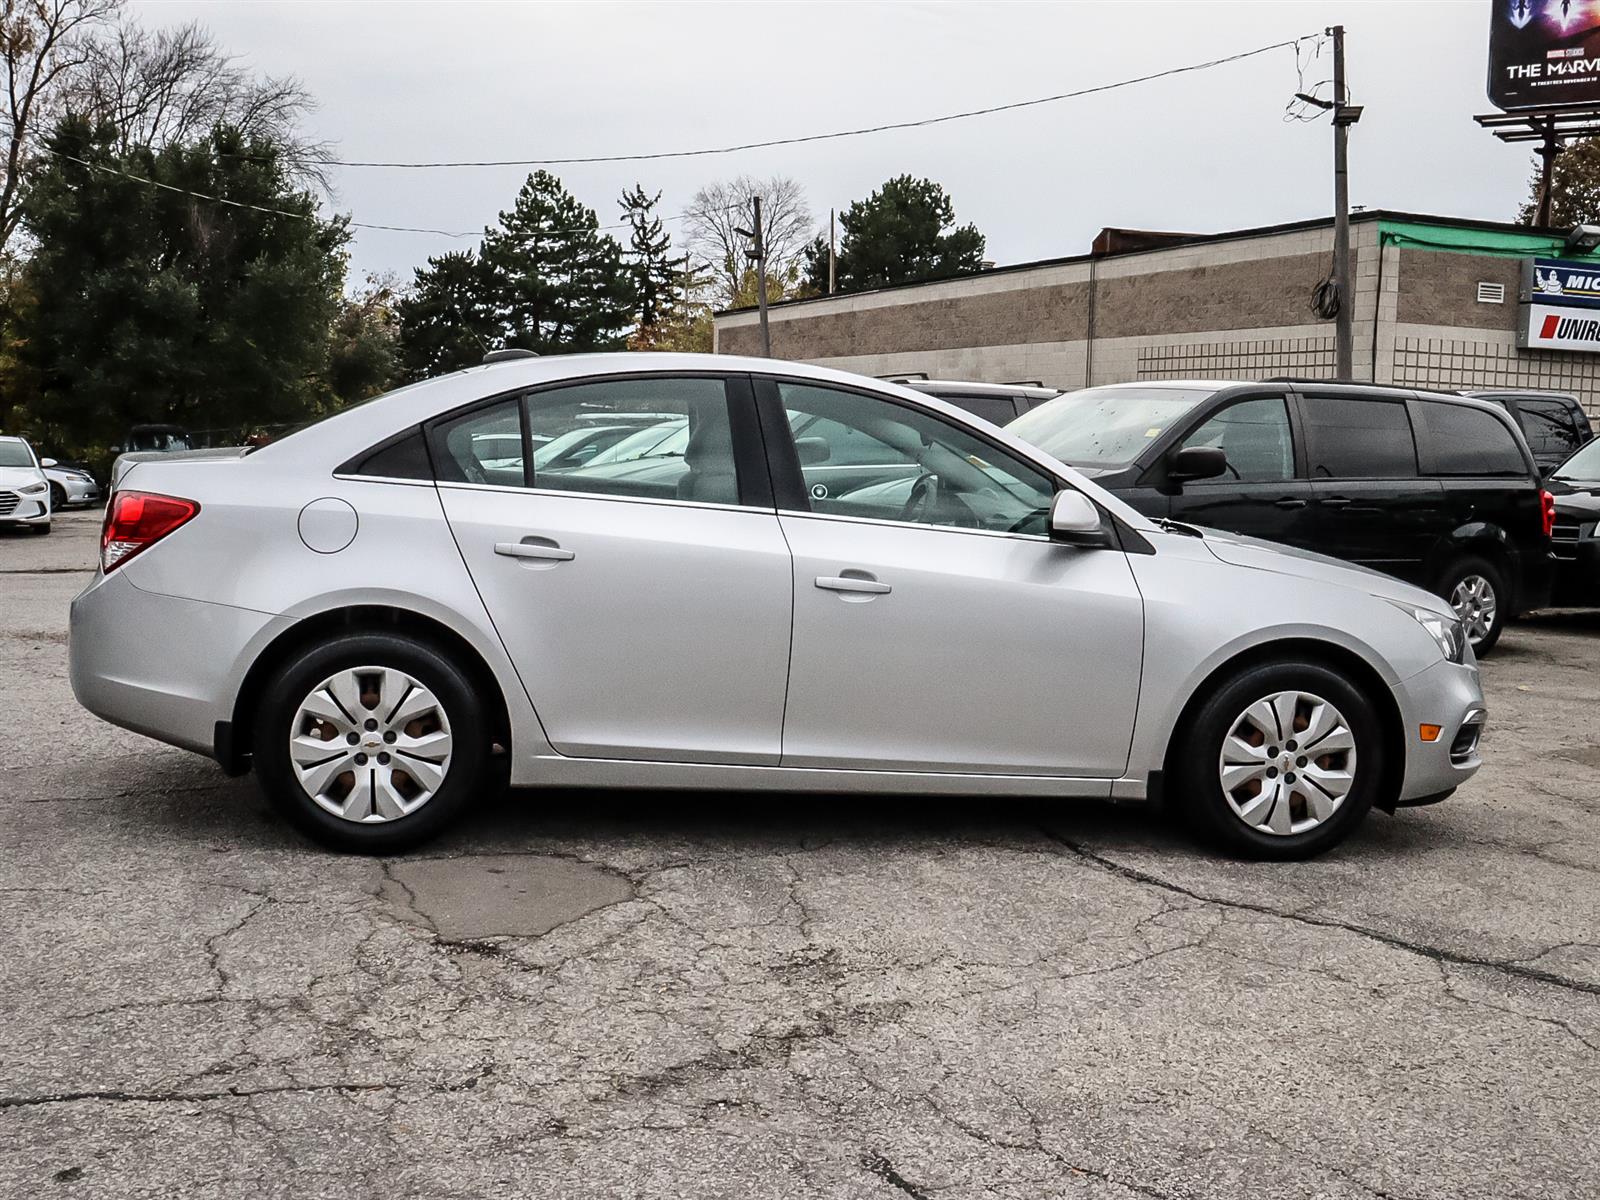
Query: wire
{"x": 842, "y": 133}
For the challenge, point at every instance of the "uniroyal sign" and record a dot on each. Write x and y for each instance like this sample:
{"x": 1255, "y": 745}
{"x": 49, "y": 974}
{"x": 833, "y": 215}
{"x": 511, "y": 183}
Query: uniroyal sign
{"x": 1560, "y": 305}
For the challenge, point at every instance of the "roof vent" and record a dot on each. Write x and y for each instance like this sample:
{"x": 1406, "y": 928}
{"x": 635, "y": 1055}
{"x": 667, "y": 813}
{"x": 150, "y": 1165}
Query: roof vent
{"x": 499, "y": 356}
{"x": 1491, "y": 293}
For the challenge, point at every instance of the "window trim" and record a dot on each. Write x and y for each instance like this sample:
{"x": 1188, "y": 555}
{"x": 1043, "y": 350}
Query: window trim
{"x": 788, "y": 481}
{"x": 1298, "y": 465}
{"x": 1403, "y": 401}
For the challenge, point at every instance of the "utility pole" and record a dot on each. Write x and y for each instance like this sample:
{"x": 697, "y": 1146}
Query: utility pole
{"x": 833, "y": 255}
{"x": 758, "y": 255}
{"x": 1549, "y": 147}
{"x": 1344, "y": 116}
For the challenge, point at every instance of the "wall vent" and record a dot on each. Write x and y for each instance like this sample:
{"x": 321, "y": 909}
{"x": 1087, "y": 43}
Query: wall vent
{"x": 1491, "y": 293}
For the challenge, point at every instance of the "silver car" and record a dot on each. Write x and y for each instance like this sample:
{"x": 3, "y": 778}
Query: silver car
{"x": 388, "y": 615}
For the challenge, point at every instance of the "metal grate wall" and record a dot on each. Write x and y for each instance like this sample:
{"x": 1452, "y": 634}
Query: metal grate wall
{"x": 1452, "y": 363}
{"x": 1309, "y": 357}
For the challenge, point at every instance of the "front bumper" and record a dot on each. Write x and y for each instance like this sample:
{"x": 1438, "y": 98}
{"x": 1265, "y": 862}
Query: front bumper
{"x": 166, "y": 667}
{"x": 17, "y": 509}
{"x": 80, "y": 491}
{"x": 1450, "y": 696}
{"x": 1576, "y": 551}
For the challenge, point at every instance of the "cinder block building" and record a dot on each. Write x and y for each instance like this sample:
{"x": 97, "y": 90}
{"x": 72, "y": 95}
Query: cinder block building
{"x": 1439, "y": 302}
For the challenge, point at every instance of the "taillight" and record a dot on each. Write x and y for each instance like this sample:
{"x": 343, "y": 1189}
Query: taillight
{"x": 1547, "y": 512}
{"x": 137, "y": 520}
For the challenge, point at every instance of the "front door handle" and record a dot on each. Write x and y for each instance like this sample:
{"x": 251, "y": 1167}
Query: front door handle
{"x": 1335, "y": 501}
{"x": 1289, "y": 502}
{"x": 854, "y": 583}
{"x": 544, "y": 550}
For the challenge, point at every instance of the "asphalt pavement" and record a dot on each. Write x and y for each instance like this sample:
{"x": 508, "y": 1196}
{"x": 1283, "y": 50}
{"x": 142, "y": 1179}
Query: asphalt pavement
{"x": 631, "y": 995}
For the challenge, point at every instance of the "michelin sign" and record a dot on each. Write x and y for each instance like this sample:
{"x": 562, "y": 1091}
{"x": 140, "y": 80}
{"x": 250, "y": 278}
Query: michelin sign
{"x": 1560, "y": 308}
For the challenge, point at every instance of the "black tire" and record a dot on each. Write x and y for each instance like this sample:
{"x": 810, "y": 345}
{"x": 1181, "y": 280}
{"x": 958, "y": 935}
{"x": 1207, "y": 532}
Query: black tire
{"x": 58, "y": 497}
{"x": 466, "y": 780}
{"x": 1193, "y": 768}
{"x": 1492, "y": 574}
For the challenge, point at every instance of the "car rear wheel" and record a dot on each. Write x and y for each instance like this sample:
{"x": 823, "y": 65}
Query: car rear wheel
{"x": 1282, "y": 761}
{"x": 1476, "y": 589}
{"x": 371, "y": 742}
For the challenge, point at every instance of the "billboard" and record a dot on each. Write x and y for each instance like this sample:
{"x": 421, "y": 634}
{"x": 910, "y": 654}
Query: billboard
{"x": 1560, "y": 305}
{"x": 1544, "y": 52}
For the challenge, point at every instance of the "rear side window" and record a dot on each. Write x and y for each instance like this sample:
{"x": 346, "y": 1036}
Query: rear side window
{"x": 403, "y": 458}
{"x": 1469, "y": 441}
{"x": 1353, "y": 438}
{"x": 1549, "y": 426}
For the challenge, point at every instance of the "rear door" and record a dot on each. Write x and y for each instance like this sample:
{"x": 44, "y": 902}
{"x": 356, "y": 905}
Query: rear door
{"x": 1264, "y": 492}
{"x": 1372, "y": 505}
{"x": 645, "y": 602}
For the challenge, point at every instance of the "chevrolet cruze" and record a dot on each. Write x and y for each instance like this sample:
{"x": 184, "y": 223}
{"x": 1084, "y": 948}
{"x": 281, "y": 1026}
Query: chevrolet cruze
{"x": 789, "y": 579}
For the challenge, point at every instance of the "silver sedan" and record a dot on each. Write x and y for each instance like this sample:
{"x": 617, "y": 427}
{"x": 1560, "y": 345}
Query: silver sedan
{"x": 811, "y": 582}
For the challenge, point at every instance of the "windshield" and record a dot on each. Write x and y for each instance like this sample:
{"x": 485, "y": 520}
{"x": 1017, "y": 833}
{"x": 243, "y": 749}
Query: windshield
{"x": 1106, "y": 426}
{"x": 1584, "y": 465}
{"x": 15, "y": 454}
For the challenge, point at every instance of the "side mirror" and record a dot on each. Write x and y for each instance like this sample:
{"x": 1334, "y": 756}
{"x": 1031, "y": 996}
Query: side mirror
{"x": 47, "y": 462}
{"x": 116, "y": 450}
{"x": 813, "y": 450}
{"x": 1196, "y": 462}
{"x": 1075, "y": 521}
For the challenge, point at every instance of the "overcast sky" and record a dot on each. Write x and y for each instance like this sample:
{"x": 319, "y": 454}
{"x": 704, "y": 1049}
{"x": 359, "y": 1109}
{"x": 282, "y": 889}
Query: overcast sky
{"x": 1200, "y": 152}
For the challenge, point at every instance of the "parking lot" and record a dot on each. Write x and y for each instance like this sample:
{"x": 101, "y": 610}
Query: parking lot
{"x": 592, "y": 994}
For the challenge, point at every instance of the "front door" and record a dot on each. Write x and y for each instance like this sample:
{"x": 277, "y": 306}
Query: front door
{"x": 642, "y": 594}
{"x": 936, "y": 626}
{"x": 1261, "y": 493}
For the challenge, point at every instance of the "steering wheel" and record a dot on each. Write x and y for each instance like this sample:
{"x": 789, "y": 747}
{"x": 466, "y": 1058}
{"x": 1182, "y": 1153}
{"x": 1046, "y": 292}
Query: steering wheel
{"x": 924, "y": 496}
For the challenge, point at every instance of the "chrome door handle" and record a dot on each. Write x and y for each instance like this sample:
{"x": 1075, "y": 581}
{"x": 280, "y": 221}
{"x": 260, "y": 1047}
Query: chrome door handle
{"x": 1335, "y": 501}
{"x": 1289, "y": 502}
{"x": 849, "y": 583}
{"x": 546, "y": 551}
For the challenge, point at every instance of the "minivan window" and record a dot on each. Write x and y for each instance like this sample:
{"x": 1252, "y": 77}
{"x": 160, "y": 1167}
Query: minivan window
{"x": 1357, "y": 438}
{"x": 1255, "y": 437}
{"x": 1463, "y": 440}
{"x": 1106, "y": 426}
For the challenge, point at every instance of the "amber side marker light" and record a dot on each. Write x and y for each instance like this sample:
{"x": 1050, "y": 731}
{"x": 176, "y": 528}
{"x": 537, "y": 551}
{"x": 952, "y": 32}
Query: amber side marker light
{"x": 1429, "y": 733}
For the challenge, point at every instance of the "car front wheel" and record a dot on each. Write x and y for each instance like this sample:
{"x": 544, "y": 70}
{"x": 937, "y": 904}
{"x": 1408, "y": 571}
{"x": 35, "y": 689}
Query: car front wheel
{"x": 1282, "y": 761}
{"x": 371, "y": 743}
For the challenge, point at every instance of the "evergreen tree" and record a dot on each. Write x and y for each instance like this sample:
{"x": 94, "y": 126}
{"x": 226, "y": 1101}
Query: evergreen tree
{"x": 657, "y": 276}
{"x": 149, "y": 304}
{"x": 448, "y": 320}
{"x": 558, "y": 284}
{"x": 904, "y": 232}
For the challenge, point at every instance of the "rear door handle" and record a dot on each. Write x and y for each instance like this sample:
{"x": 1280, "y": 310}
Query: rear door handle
{"x": 1335, "y": 501}
{"x": 1289, "y": 502}
{"x": 853, "y": 583}
{"x": 545, "y": 550}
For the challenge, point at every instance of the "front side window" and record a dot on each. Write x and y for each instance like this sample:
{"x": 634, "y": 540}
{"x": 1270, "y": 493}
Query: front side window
{"x": 1105, "y": 426}
{"x": 1353, "y": 438}
{"x": 864, "y": 457}
{"x": 1463, "y": 440}
{"x": 1255, "y": 437}
{"x": 661, "y": 439}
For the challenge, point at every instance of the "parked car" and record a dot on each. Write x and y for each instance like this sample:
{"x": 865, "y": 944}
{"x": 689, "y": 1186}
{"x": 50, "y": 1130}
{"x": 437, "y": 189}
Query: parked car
{"x": 71, "y": 484}
{"x": 353, "y": 611}
{"x": 1554, "y": 423}
{"x": 24, "y": 490}
{"x": 1576, "y": 538}
{"x": 997, "y": 403}
{"x": 1437, "y": 489}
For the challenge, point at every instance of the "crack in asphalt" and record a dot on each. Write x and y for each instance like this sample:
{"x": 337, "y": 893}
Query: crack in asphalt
{"x": 880, "y": 1166}
{"x": 1512, "y": 967}
{"x": 122, "y": 1097}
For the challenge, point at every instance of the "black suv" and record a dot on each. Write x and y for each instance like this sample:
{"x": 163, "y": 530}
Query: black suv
{"x": 1436, "y": 488}
{"x": 1553, "y": 422}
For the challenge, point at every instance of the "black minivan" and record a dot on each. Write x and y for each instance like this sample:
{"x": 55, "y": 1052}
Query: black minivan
{"x": 1438, "y": 489}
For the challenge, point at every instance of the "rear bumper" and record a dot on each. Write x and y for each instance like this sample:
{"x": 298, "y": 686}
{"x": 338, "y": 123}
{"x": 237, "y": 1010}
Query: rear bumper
{"x": 166, "y": 667}
{"x": 1450, "y": 696}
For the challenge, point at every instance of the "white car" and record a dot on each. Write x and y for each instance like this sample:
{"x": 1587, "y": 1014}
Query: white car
{"x": 70, "y": 486}
{"x": 24, "y": 490}
{"x": 388, "y": 613}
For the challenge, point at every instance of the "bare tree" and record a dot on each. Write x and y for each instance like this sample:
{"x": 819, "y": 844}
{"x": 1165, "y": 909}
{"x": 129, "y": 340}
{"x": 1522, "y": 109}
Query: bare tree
{"x": 173, "y": 85}
{"x": 41, "y": 42}
{"x": 720, "y": 209}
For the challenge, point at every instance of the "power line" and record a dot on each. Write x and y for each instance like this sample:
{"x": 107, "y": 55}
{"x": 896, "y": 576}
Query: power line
{"x": 842, "y": 133}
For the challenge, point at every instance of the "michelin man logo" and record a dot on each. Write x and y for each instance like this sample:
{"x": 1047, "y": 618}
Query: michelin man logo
{"x": 1549, "y": 284}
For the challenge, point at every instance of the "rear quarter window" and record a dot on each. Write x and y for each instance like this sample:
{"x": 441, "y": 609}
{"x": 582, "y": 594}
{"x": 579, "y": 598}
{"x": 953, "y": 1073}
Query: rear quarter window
{"x": 1463, "y": 440}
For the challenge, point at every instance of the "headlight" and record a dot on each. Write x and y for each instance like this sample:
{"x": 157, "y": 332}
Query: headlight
{"x": 1447, "y": 632}
{"x": 34, "y": 489}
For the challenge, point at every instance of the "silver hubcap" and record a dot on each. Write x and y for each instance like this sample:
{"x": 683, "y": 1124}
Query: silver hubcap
{"x": 1474, "y": 602}
{"x": 1288, "y": 763}
{"x": 370, "y": 744}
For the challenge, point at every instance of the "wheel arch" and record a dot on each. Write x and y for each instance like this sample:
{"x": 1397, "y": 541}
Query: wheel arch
{"x": 1481, "y": 539}
{"x": 1329, "y": 654}
{"x": 233, "y": 743}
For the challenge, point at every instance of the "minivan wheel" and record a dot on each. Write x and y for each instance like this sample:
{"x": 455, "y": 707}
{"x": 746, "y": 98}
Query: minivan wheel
{"x": 1476, "y": 589}
{"x": 371, "y": 742}
{"x": 1282, "y": 761}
